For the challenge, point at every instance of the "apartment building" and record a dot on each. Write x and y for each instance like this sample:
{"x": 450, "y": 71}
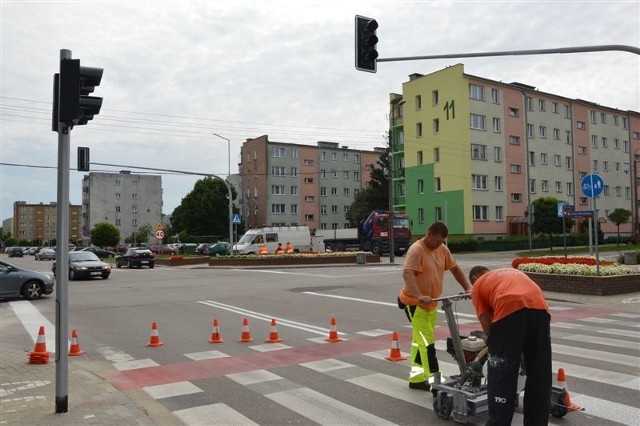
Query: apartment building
{"x": 124, "y": 199}
{"x": 475, "y": 152}
{"x": 284, "y": 184}
{"x": 38, "y": 222}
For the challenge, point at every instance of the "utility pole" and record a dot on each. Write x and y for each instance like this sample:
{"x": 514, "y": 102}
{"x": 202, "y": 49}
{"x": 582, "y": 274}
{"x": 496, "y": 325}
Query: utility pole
{"x": 391, "y": 244}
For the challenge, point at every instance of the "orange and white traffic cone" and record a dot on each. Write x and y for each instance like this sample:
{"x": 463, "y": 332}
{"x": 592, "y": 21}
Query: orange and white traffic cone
{"x": 273, "y": 334}
{"x": 215, "y": 334}
{"x": 395, "y": 354}
{"x": 246, "y": 334}
{"x": 154, "y": 340}
{"x": 74, "y": 349}
{"x": 333, "y": 333}
{"x": 39, "y": 355}
{"x": 562, "y": 384}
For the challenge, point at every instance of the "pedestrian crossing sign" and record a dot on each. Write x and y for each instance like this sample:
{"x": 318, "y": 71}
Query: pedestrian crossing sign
{"x": 237, "y": 219}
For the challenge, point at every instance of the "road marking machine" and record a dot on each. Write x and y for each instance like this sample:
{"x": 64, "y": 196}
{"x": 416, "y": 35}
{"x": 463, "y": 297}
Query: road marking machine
{"x": 465, "y": 395}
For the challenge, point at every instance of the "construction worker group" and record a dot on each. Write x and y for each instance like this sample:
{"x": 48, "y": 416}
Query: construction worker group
{"x": 279, "y": 250}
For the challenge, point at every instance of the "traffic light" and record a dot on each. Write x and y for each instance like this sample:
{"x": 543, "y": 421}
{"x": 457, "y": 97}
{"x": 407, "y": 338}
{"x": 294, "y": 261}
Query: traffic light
{"x": 75, "y": 107}
{"x": 83, "y": 159}
{"x": 366, "y": 41}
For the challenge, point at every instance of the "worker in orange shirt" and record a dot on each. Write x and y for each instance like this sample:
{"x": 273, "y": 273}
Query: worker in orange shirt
{"x": 514, "y": 314}
{"x": 263, "y": 249}
{"x": 279, "y": 249}
{"x": 289, "y": 248}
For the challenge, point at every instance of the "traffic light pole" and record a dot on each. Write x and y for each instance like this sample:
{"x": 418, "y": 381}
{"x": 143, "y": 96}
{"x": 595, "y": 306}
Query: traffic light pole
{"x": 62, "y": 262}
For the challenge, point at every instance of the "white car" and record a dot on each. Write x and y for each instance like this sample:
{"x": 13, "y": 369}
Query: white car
{"x": 46, "y": 254}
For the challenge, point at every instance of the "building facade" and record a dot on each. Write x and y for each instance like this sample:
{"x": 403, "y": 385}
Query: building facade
{"x": 284, "y": 184}
{"x": 123, "y": 199}
{"x": 38, "y": 222}
{"x": 475, "y": 153}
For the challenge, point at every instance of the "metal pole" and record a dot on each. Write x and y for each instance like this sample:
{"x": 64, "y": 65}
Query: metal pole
{"x": 391, "y": 244}
{"x": 595, "y": 217}
{"x": 62, "y": 263}
{"x": 229, "y": 190}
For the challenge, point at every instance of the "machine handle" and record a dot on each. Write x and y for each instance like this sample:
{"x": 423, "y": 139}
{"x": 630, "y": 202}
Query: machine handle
{"x": 456, "y": 297}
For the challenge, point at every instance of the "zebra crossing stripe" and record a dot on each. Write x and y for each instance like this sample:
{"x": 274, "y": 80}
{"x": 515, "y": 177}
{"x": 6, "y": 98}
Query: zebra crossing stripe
{"x": 203, "y": 415}
{"x": 614, "y": 358}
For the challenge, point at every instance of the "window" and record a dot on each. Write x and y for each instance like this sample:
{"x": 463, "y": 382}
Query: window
{"x": 334, "y": 209}
{"x": 616, "y": 143}
{"x": 497, "y": 183}
{"x": 592, "y": 114}
{"x": 278, "y": 171}
{"x": 499, "y": 213}
{"x": 476, "y": 92}
{"x": 294, "y": 209}
{"x": 294, "y": 172}
{"x": 605, "y": 166}
{"x": 438, "y": 183}
{"x": 543, "y": 158}
{"x": 514, "y": 140}
{"x": 308, "y": 217}
{"x": 346, "y": 192}
{"x": 513, "y": 112}
{"x": 530, "y": 134}
{"x": 594, "y": 141}
{"x": 478, "y": 151}
{"x": 605, "y": 190}
{"x": 531, "y": 158}
{"x": 543, "y": 132}
{"x": 582, "y": 150}
{"x": 308, "y": 162}
{"x": 567, "y": 111}
{"x": 334, "y": 191}
{"x": 558, "y": 186}
{"x": 117, "y": 195}
{"x": 334, "y": 173}
{"x": 496, "y": 124}
{"x": 278, "y": 190}
{"x": 556, "y": 108}
{"x": 616, "y": 120}
{"x": 356, "y": 176}
{"x": 438, "y": 213}
{"x": 603, "y": 118}
{"x": 515, "y": 168}
{"x": 625, "y": 123}
{"x": 334, "y": 156}
{"x": 294, "y": 190}
{"x": 294, "y": 152}
{"x": 323, "y": 191}
{"x": 356, "y": 158}
{"x": 532, "y": 186}
{"x": 479, "y": 181}
{"x": 625, "y": 144}
{"x": 478, "y": 122}
{"x": 345, "y": 174}
{"x": 605, "y": 142}
{"x": 279, "y": 152}
{"x": 436, "y": 155}
{"x": 495, "y": 96}
{"x": 480, "y": 212}
{"x": 308, "y": 180}
{"x": 419, "y": 130}
{"x": 528, "y": 103}
{"x": 435, "y": 98}
{"x": 436, "y": 125}
{"x": 583, "y": 201}
{"x": 516, "y": 196}
{"x": 569, "y": 188}
{"x": 308, "y": 198}
{"x": 568, "y": 161}
{"x": 556, "y": 134}
{"x": 544, "y": 185}
{"x": 278, "y": 209}
{"x": 580, "y": 125}
{"x": 345, "y": 157}
{"x": 420, "y": 215}
{"x": 420, "y": 159}
{"x": 420, "y": 186}
{"x": 557, "y": 160}
{"x": 541, "y": 105}
{"x": 618, "y": 191}
{"x": 567, "y": 136}
{"x": 323, "y": 174}
{"x": 497, "y": 153}
{"x": 418, "y": 102}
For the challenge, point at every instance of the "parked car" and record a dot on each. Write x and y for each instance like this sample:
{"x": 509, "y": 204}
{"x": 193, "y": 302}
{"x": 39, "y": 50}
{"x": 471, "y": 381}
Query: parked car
{"x": 203, "y": 248}
{"x": 162, "y": 249}
{"x": 46, "y": 254}
{"x": 101, "y": 253}
{"x": 16, "y": 282}
{"x": 136, "y": 257}
{"x": 219, "y": 249}
{"x": 15, "y": 252}
{"x": 84, "y": 264}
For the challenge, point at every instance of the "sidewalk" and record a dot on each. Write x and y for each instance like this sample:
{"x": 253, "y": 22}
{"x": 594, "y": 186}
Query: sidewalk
{"x": 28, "y": 396}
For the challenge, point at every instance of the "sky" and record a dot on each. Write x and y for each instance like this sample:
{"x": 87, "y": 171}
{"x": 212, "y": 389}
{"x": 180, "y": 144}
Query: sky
{"x": 176, "y": 72}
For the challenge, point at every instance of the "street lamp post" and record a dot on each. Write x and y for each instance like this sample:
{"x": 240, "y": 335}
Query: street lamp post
{"x": 229, "y": 191}
{"x": 635, "y": 199}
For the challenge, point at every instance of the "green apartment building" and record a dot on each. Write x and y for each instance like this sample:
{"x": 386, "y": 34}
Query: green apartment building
{"x": 475, "y": 152}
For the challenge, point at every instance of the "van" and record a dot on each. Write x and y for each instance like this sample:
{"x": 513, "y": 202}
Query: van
{"x": 251, "y": 241}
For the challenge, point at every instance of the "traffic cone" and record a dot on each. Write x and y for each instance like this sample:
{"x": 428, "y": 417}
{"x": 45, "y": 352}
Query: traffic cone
{"x": 562, "y": 384}
{"x": 246, "y": 334}
{"x": 75, "y": 350}
{"x": 215, "y": 335}
{"x": 39, "y": 355}
{"x": 395, "y": 354}
{"x": 154, "y": 340}
{"x": 333, "y": 334}
{"x": 273, "y": 334}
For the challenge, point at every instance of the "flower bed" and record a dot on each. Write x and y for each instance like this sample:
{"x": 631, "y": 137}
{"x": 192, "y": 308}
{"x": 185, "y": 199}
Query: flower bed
{"x": 182, "y": 260}
{"x": 578, "y": 275}
{"x": 293, "y": 259}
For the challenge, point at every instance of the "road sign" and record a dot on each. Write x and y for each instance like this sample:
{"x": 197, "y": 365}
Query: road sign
{"x": 564, "y": 209}
{"x": 592, "y": 185}
{"x": 237, "y": 219}
{"x": 159, "y": 234}
{"x": 586, "y": 213}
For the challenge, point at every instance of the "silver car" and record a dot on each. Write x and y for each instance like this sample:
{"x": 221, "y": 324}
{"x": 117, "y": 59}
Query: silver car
{"x": 46, "y": 254}
{"x": 16, "y": 282}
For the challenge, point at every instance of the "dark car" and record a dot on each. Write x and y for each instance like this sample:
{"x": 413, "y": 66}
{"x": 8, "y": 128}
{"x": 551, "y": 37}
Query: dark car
{"x": 84, "y": 264}
{"x": 136, "y": 257}
{"x": 162, "y": 249}
{"x": 219, "y": 249}
{"x": 203, "y": 248}
{"x": 15, "y": 252}
{"x": 101, "y": 253}
{"x": 46, "y": 254}
{"x": 16, "y": 282}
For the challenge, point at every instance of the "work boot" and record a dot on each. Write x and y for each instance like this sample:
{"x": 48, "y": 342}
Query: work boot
{"x": 420, "y": 385}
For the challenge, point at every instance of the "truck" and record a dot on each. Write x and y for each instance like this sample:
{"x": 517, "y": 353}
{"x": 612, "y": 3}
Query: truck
{"x": 270, "y": 236}
{"x": 371, "y": 235}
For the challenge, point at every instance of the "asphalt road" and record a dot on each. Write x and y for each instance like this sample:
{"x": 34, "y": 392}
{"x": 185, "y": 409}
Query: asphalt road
{"x": 304, "y": 379}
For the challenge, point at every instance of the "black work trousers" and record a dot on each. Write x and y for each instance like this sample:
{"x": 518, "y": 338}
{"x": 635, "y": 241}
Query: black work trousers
{"x": 523, "y": 333}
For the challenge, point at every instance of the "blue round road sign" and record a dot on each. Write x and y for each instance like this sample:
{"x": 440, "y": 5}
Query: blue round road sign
{"x": 592, "y": 185}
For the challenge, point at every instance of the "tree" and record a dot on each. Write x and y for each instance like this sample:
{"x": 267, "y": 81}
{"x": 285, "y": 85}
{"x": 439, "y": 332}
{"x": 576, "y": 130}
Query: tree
{"x": 204, "y": 210}
{"x": 104, "y": 234}
{"x": 140, "y": 236}
{"x": 619, "y": 216}
{"x": 375, "y": 196}
{"x": 546, "y": 220}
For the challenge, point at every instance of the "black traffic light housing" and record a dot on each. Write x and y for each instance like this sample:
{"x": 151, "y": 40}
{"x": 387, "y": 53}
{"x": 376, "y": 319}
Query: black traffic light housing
{"x": 75, "y": 83}
{"x": 83, "y": 159}
{"x": 366, "y": 41}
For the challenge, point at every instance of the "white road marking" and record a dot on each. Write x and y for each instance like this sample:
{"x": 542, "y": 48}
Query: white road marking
{"x": 32, "y": 319}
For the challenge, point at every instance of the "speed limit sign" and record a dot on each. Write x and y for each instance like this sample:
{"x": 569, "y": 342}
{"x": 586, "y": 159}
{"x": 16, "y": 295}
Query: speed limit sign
{"x": 159, "y": 234}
